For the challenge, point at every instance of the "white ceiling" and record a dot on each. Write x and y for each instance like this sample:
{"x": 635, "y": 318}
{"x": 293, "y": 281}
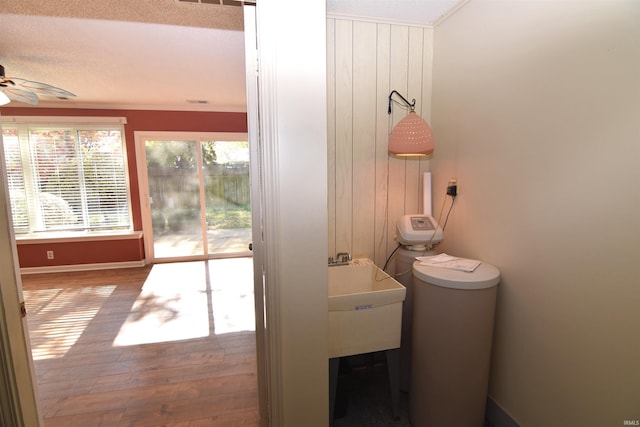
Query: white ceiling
{"x": 116, "y": 64}
{"x": 110, "y": 63}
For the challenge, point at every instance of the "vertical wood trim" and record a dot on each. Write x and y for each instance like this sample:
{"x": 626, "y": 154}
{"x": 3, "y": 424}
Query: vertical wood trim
{"x": 257, "y": 218}
{"x": 268, "y": 140}
{"x": 427, "y": 91}
{"x": 344, "y": 135}
{"x": 397, "y": 167}
{"x": 331, "y": 136}
{"x": 293, "y": 133}
{"x": 364, "y": 121}
{"x": 16, "y": 364}
{"x": 427, "y": 73}
{"x": 143, "y": 192}
{"x": 412, "y": 183}
{"x": 383, "y": 57}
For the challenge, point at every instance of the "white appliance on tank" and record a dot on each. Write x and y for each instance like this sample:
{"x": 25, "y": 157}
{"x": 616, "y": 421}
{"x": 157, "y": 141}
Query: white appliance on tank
{"x": 418, "y": 232}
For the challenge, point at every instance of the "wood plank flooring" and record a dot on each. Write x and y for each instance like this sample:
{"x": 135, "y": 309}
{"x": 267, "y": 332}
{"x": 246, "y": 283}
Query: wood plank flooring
{"x": 171, "y": 345}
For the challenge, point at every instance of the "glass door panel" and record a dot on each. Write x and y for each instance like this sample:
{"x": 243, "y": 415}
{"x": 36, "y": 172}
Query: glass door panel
{"x": 227, "y": 201}
{"x": 174, "y": 191}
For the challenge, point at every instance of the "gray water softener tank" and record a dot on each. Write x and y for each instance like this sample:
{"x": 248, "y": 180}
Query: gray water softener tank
{"x": 404, "y": 274}
{"x": 453, "y": 316}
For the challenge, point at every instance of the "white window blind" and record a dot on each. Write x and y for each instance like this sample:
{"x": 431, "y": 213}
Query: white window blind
{"x": 13, "y": 169}
{"x": 67, "y": 178}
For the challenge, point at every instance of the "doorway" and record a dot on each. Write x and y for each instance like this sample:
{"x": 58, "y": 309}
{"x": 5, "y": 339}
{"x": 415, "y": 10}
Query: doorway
{"x": 195, "y": 195}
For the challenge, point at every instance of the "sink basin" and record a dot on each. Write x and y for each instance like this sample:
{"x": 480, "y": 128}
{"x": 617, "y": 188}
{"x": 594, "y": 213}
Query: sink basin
{"x": 365, "y": 309}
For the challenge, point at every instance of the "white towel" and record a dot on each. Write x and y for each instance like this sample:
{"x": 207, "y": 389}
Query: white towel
{"x": 448, "y": 261}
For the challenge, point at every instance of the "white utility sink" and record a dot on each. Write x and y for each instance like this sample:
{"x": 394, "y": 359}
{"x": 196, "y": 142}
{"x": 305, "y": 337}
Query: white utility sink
{"x": 365, "y": 309}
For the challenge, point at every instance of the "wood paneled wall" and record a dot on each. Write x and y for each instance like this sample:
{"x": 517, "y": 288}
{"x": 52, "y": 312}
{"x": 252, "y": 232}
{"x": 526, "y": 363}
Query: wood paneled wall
{"x": 368, "y": 189}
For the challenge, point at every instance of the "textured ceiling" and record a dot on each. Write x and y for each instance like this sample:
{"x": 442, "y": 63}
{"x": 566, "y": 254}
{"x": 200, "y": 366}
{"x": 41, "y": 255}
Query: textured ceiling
{"x": 152, "y": 11}
{"x": 116, "y": 64}
{"x": 152, "y": 54}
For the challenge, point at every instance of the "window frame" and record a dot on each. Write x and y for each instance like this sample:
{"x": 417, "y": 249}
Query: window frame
{"x": 76, "y": 124}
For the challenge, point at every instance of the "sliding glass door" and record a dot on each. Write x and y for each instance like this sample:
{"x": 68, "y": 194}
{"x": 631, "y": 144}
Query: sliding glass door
{"x": 197, "y": 197}
{"x": 174, "y": 196}
{"x": 227, "y": 201}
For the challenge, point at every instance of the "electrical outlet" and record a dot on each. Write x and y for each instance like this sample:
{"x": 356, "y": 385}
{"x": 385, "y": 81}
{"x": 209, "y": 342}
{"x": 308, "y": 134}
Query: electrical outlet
{"x": 49, "y": 254}
{"x": 452, "y": 187}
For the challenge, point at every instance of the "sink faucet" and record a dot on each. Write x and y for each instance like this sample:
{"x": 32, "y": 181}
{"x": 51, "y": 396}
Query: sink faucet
{"x": 341, "y": 258}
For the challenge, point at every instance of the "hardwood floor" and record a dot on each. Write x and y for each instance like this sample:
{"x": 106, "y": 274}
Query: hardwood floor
{"x": 171, "y": 345}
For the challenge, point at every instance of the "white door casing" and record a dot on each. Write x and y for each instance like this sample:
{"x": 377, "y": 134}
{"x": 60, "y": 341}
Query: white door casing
{"x": 16, "y": 362}
{"x": 293, "y": 142}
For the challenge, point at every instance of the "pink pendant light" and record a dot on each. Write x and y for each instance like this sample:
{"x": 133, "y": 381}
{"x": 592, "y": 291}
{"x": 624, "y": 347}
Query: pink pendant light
{"x": 412, "y": 136}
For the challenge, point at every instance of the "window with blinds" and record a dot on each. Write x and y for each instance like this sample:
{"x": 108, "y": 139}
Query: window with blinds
{"x": 66, "y": 178}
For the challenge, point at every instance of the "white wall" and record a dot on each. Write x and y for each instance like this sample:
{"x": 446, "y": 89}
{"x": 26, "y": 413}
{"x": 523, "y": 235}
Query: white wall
{"x": 536, "y": 110}
{"x": 365, "y": 62}
{"x": 293, "y": 138}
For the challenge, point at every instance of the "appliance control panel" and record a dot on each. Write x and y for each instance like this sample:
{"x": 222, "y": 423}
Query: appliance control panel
{"x": 421, "y": 223}
{"x": 418, "y": 230}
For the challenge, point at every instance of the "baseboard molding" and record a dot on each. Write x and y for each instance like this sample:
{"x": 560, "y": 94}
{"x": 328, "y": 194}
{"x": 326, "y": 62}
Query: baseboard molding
{"x": 495, "y": 416}
{"x": 82, "y": 267}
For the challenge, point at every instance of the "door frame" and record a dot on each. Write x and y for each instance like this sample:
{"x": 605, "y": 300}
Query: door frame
{"x": 18, "y": 390}
{"x": 143, "y": 183}
{"x": 292, "y": 127}
{"x": 263, "y": 344}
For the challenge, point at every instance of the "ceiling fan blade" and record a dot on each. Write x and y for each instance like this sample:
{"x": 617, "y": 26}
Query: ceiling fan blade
{"x": 21, "y": 95}
{"x": 41, "y": 88}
